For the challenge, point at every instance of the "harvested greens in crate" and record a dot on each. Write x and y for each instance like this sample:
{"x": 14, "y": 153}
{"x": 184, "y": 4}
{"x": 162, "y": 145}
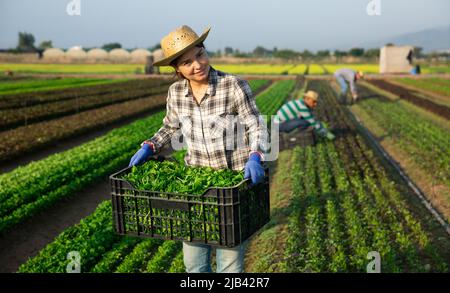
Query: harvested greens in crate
{"x": 169, "y": 200}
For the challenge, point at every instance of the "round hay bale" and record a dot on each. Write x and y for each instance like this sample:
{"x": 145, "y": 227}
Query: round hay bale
{"x": 119, "y": 55}
{"x": 76, "y": 53}
{"x": 53, "y": 53}
{"x": 97, "y": 54}
{"x": 157, "y": 55}
{"x": 139, "y": 55}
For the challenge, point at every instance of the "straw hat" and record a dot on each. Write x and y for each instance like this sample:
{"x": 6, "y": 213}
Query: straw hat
{"x": 312, "y": 95}
{"x": 178, "y": 42}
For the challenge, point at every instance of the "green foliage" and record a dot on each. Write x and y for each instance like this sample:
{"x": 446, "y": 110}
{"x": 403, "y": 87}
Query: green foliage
{"x": 168, "y": 176}
{"x": 29, "y": 189}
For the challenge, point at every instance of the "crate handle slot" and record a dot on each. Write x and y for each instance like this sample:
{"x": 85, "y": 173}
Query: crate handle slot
{"x": 169, "y": 205}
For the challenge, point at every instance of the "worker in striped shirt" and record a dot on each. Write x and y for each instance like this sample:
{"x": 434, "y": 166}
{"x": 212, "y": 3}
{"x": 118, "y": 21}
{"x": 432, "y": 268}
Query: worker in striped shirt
{"x": 297, "y": 114}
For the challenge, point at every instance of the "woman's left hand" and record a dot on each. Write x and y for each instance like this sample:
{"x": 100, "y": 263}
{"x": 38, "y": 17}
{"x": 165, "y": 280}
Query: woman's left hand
{"x": 141, "y": 155}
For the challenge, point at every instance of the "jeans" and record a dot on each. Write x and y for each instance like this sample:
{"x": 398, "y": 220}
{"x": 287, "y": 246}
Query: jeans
{"x": 197, "y": 258}
{"x": 290, "y": 125}
{"x": 343, "y": 84}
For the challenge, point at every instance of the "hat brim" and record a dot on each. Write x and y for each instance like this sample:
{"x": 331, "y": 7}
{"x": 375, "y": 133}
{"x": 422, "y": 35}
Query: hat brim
{"x": 166, "y": 61}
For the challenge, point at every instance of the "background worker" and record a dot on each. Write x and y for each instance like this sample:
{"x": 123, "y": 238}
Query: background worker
{"x": 344, "y": 76}
{"x": 297, "y": 114}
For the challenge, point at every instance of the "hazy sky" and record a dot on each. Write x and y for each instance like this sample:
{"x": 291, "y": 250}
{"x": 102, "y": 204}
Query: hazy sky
{"x": 243, "y": 24}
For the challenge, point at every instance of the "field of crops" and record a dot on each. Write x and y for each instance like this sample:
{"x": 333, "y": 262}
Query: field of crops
{"x": 342, "y": 201}
{"x": 264, "y": 69}
{"x": 367, "y": 68}
{"x": 346, "y": 206}
{"x": 415, "y": 135}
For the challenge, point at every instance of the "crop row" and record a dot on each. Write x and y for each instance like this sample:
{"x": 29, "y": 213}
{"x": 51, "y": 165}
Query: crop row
{"x": 412, "y": 97}
{"x": 27, "y": 115}
{"x": 50, "y": 96}
{"x": 39, "y": 85}
{"x": 25, "y": 139}
{"x": 435, "y": 85}
{"x": 426, "y": 142}
{"x": 270, "y": 101}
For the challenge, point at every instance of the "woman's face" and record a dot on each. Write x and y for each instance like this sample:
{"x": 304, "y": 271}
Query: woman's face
{"x": 194, "y": 65}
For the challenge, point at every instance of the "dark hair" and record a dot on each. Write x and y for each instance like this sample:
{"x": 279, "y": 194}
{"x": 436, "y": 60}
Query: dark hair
{"x": 175, "y": 61}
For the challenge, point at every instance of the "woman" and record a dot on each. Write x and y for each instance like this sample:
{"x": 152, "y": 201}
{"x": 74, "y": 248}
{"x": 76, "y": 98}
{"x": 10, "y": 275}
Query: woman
{"x": 200, "y": 105}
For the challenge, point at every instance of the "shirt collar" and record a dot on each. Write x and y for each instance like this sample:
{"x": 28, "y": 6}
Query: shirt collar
{"x": 304, "y": 104}
{"x": 212, "y": 83}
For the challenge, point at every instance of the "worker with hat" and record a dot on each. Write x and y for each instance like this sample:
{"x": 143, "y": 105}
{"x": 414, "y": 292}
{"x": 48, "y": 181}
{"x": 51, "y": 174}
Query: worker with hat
{"x": 344, "y": 76}
{"x": 197, "y": 106}
{"x": 296, "y": 114}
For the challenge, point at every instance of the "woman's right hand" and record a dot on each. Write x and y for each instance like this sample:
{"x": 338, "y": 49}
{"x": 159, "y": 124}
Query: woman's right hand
{"x": 141, "y": 155}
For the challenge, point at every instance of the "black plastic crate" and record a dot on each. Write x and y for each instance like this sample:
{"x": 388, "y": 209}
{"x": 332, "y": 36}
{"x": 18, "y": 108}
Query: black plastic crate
{"x": 302, "y": 138}
{"x": 223, "y": 217}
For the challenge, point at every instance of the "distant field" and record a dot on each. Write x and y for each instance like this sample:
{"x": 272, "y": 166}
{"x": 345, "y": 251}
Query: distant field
{"x": 366, "y": 68}
{"x": 298, "y": 69}
{"x": 315, "y": 69}
{"x": 289, "y": 68}
{"x": 74, "y": 68}
{"x": 254, "y": 68}
{"x": 435, "y": 69}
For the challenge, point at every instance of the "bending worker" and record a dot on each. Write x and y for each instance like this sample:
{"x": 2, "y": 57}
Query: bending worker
{"x": 344, "y": 76}
{"x": 296, "y": 114}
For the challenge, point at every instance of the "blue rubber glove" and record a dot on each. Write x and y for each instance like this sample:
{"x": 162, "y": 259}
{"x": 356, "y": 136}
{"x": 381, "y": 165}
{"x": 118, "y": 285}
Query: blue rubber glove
{"x": 254, "y": 169}
{"x": 141, "y": 155}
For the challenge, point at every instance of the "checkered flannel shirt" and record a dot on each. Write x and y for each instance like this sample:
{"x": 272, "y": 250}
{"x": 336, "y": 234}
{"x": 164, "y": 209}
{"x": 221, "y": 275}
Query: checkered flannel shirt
{"x": 204, "y": 126}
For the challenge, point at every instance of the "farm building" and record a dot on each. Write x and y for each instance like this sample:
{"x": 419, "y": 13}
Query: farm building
{"x": 97, "y": 54}
{"x": 396, "y": 59}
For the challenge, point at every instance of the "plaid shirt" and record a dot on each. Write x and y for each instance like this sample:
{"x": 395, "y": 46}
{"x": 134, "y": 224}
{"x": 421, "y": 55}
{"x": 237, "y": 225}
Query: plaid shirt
{"x": 228, "y": 107}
